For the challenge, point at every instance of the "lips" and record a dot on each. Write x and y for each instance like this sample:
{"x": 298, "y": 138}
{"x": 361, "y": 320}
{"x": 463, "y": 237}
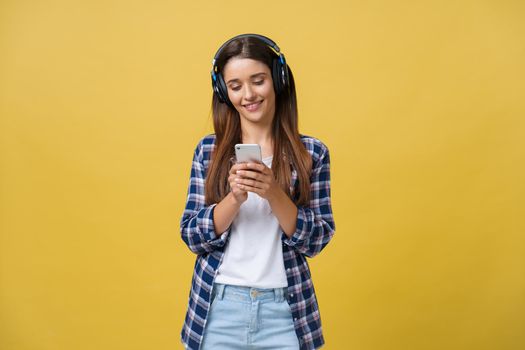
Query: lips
{"x": 252, "y": 106}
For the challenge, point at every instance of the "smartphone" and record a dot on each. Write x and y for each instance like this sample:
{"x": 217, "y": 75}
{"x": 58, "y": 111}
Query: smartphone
{"x": 248, "y": 152}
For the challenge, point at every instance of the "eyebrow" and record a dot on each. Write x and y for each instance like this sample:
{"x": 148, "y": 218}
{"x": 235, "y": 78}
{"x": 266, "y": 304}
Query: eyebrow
{"x": 251, "y": 76}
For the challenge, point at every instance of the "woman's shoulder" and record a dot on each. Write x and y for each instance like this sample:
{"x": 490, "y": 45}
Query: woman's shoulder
{"x": 205, "y": 146}
{"x": 314, "y": 146}
{"x": 207, "y": 140}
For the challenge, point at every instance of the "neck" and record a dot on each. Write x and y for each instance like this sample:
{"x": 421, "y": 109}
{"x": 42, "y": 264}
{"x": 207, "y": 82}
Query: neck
{"x": 262, "y": 135}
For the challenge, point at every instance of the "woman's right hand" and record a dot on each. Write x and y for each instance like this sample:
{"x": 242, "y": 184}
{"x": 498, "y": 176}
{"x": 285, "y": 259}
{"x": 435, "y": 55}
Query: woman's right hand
{"x": 239, "y": 195}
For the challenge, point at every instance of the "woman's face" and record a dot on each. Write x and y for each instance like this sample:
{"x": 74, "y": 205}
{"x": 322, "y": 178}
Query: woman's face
{"x": 250, "y": 89}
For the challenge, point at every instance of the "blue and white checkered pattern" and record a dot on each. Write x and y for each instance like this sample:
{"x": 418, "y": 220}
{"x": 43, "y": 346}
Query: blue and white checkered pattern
{"x": 314, "y": 229}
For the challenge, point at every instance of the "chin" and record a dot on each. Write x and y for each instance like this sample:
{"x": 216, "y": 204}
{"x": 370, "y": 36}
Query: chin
{"x": 255, "y": 118}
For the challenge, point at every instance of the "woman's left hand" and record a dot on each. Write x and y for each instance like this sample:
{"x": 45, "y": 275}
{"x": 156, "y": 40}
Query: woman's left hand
{"x": 258, "y": 178}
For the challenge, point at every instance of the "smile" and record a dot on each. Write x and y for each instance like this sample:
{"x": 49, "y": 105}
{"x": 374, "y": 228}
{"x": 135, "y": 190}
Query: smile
{"x": 253, "y": 107}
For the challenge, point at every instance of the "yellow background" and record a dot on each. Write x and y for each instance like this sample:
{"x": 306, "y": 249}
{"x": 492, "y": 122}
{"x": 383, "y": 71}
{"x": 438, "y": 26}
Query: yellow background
{"x": 420, "y": 102}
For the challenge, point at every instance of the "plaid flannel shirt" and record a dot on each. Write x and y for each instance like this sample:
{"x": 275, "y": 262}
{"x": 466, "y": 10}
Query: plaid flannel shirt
{"x": 314, "y": 229}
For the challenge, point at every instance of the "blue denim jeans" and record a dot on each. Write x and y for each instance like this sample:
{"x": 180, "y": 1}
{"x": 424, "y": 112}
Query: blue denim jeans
{"x": 249, "y": 318}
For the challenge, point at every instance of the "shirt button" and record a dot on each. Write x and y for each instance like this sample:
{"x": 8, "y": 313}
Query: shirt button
{"x": 291, "y": 295}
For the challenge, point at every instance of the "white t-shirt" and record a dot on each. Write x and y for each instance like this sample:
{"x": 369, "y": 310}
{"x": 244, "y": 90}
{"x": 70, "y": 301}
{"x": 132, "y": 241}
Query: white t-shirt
{"x": 254, "y": 254}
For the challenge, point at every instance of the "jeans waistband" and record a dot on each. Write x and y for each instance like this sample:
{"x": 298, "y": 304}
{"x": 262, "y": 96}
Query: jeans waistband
{"x": 249, "y": 294}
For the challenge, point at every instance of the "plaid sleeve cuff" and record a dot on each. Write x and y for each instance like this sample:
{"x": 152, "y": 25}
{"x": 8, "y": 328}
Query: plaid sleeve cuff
{"x": 311, "y": 234}
{"x": 305, "y": 219}
{"x": 207, "y": 228}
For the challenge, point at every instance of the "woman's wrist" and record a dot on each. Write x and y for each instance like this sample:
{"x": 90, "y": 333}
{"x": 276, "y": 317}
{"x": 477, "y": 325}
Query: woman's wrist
{"x": 232, "y": 200}
{"x": 225, "y": 212}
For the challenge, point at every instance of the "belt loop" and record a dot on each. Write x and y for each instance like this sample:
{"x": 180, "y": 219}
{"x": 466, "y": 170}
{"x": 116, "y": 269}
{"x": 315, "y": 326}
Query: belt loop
{"x": 220, "y": 291}
{"x": 279, "y": 294}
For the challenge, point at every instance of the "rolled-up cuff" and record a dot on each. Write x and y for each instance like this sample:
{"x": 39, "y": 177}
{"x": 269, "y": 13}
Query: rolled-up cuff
{"x": 305, "y": 220}
{"x": 207, "y": 228}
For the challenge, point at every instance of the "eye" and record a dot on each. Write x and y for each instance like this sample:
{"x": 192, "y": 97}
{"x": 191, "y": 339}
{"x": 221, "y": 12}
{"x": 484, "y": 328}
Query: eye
{"x": 237, "y": 87}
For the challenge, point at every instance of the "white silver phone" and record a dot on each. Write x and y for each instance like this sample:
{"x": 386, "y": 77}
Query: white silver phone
{"x": 248, "y": 152}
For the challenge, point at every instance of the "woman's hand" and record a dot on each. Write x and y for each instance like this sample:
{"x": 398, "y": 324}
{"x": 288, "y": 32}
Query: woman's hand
{"x": 239, "y": 194}
{"x": 257, "y": 178}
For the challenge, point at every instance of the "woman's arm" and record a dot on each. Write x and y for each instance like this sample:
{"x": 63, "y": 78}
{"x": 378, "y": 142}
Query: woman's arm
{"x": 285, "y": 211}
{"x": 308, "y": 228}
{"x": 315, "y": 222}
{"x": 197, "y": 226}
{"x": 225, "y": 212}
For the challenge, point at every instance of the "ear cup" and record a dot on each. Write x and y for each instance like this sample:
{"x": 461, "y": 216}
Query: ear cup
{"x": 280, "y": 74}
{"x": 276, "y": 76}
{"x": 284, "y": 72}
{"x": 222, "y": 90}
{"x": 215, "y": 87}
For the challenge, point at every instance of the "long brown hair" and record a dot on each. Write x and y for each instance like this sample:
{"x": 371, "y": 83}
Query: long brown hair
{"x": 289, "y": 152}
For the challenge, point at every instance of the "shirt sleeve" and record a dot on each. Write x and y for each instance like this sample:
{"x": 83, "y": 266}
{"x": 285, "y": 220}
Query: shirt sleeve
{"x": 315, "y": 223}
{"x": 196, "y": 225}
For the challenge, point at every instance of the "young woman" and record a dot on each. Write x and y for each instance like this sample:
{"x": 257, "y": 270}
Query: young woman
{"x": 252, "y": 225}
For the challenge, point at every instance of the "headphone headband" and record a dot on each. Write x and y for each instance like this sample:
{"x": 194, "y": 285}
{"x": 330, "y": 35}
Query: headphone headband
{"x": 265, "y": 39}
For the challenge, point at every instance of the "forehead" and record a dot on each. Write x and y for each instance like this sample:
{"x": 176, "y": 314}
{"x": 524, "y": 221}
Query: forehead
{"x": 243, "y": 68}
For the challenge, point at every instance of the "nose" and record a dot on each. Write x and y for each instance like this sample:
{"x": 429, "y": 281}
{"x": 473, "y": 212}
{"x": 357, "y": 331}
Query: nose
{"x": 249, "y": 94}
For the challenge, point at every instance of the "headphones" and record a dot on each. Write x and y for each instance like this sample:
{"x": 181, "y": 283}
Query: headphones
{"x": 281, "y": 80}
